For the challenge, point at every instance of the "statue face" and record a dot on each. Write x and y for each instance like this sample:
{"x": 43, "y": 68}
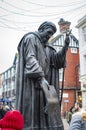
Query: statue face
{"x": 46, "y": 34}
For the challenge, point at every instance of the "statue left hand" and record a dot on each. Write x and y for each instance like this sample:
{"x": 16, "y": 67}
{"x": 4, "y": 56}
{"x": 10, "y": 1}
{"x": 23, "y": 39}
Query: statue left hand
{"x": 44, "y": 83}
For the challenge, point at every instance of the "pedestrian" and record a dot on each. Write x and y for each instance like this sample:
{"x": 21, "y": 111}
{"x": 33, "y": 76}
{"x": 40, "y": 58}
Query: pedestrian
{"x": 2, "y": 110}
{"x": 6, "y": 108}
{"x": 69, "y": 115}
{"x": 71, "y": 111}
{"x": 13, "y": 120}
{"x": 78, "y": 121}
{"x": 38, "y": 67}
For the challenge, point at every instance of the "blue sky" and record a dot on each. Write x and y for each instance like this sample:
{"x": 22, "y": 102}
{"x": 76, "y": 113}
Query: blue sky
{"x": 21, "y": 16}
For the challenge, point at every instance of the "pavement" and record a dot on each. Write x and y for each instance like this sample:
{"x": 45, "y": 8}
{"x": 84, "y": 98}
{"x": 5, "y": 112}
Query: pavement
{"x": 66, "y": 125}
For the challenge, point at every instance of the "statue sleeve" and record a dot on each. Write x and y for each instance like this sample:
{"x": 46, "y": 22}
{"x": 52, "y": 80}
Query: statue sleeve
{"x": 32, "y": 68}
{"x": 59, "y": 58}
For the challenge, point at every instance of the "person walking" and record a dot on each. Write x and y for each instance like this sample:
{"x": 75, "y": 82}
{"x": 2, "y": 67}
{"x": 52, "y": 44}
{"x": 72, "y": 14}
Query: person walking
{"x": 2, "y": 110}
{"x": 78, "y": 121}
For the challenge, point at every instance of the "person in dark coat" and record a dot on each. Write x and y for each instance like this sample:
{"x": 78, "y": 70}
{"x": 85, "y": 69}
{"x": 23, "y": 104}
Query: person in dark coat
{"x": 2, "y": 110}
{"x": 38, "y": 66}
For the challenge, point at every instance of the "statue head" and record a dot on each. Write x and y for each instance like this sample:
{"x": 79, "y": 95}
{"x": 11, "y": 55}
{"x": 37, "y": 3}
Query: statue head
{"x": 47, "y": 24}
{"x": 46, "y": 30}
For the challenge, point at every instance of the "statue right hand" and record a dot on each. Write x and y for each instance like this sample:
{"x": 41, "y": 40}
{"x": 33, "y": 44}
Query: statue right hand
{"x": 43, "y": 83}
{"x": 67, "y": 40}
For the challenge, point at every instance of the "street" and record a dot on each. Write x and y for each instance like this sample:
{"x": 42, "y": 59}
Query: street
{"x": 66, "y": 125}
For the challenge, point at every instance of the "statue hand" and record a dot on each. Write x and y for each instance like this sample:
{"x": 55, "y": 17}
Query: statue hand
{"x": 43, "y": 82}
{"x": 67, "y": 40}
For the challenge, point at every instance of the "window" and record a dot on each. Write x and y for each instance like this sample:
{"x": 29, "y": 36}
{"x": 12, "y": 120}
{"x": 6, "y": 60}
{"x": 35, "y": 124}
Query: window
{"x": 8, "y": 73}
{"x": 84, "y": 34}
{"x": 84, "y": 63}
{"x": 60, "y": 74}
{"x": 74, "y": 50}
{"x": 79, "y": 73}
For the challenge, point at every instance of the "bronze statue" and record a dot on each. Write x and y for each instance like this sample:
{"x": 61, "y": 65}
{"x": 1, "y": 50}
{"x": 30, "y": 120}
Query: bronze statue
{"x": 38, "y": 71}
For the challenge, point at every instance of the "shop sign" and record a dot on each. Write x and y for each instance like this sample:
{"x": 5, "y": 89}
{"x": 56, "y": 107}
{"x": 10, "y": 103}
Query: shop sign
{"x": 65, "y": 95}
{"x": 66, "y": 101}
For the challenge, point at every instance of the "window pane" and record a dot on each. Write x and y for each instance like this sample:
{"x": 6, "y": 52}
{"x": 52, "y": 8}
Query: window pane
{"x": 84, "y": 34}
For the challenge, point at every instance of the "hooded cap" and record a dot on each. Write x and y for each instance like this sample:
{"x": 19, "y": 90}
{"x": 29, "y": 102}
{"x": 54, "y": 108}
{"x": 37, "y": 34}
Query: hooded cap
{"x": 46, "y": 25}
{"x": 13, "y": 120}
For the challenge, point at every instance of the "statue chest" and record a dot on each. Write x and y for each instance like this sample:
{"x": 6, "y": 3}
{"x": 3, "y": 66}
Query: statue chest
{"x": 44, "y": 59}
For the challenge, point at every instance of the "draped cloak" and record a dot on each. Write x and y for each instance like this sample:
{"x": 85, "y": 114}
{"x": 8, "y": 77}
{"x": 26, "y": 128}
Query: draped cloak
{"x": 35, "y": 61}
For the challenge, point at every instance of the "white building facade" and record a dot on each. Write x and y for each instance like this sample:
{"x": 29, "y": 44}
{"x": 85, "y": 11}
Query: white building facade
{"x": 8, "y": 85}
{"x": 82, "y": 51}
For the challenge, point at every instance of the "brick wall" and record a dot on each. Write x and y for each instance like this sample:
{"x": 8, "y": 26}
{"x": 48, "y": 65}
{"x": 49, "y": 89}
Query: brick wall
{"x": 71, "y": 72}
{"x": 71, "y": 81}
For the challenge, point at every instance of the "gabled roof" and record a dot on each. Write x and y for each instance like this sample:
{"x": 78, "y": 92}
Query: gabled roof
{"x": 53, "y": 40}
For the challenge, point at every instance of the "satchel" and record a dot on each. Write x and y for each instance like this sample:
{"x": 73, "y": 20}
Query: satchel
{"x": 51, "y": 98}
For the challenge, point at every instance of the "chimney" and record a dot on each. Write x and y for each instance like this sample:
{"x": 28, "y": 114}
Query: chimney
{"x": 64, "y": 25}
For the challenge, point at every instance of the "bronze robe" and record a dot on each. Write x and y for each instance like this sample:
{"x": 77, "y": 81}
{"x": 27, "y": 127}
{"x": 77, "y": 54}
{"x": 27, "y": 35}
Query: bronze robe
{"x": 36, "y": 61}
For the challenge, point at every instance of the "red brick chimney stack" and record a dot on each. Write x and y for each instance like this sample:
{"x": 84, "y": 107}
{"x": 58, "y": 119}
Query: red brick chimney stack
{"x": 64, "y": 25}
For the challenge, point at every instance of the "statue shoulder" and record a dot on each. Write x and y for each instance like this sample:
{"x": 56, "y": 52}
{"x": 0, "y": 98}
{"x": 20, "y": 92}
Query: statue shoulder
{"x": 25, "y": 37}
